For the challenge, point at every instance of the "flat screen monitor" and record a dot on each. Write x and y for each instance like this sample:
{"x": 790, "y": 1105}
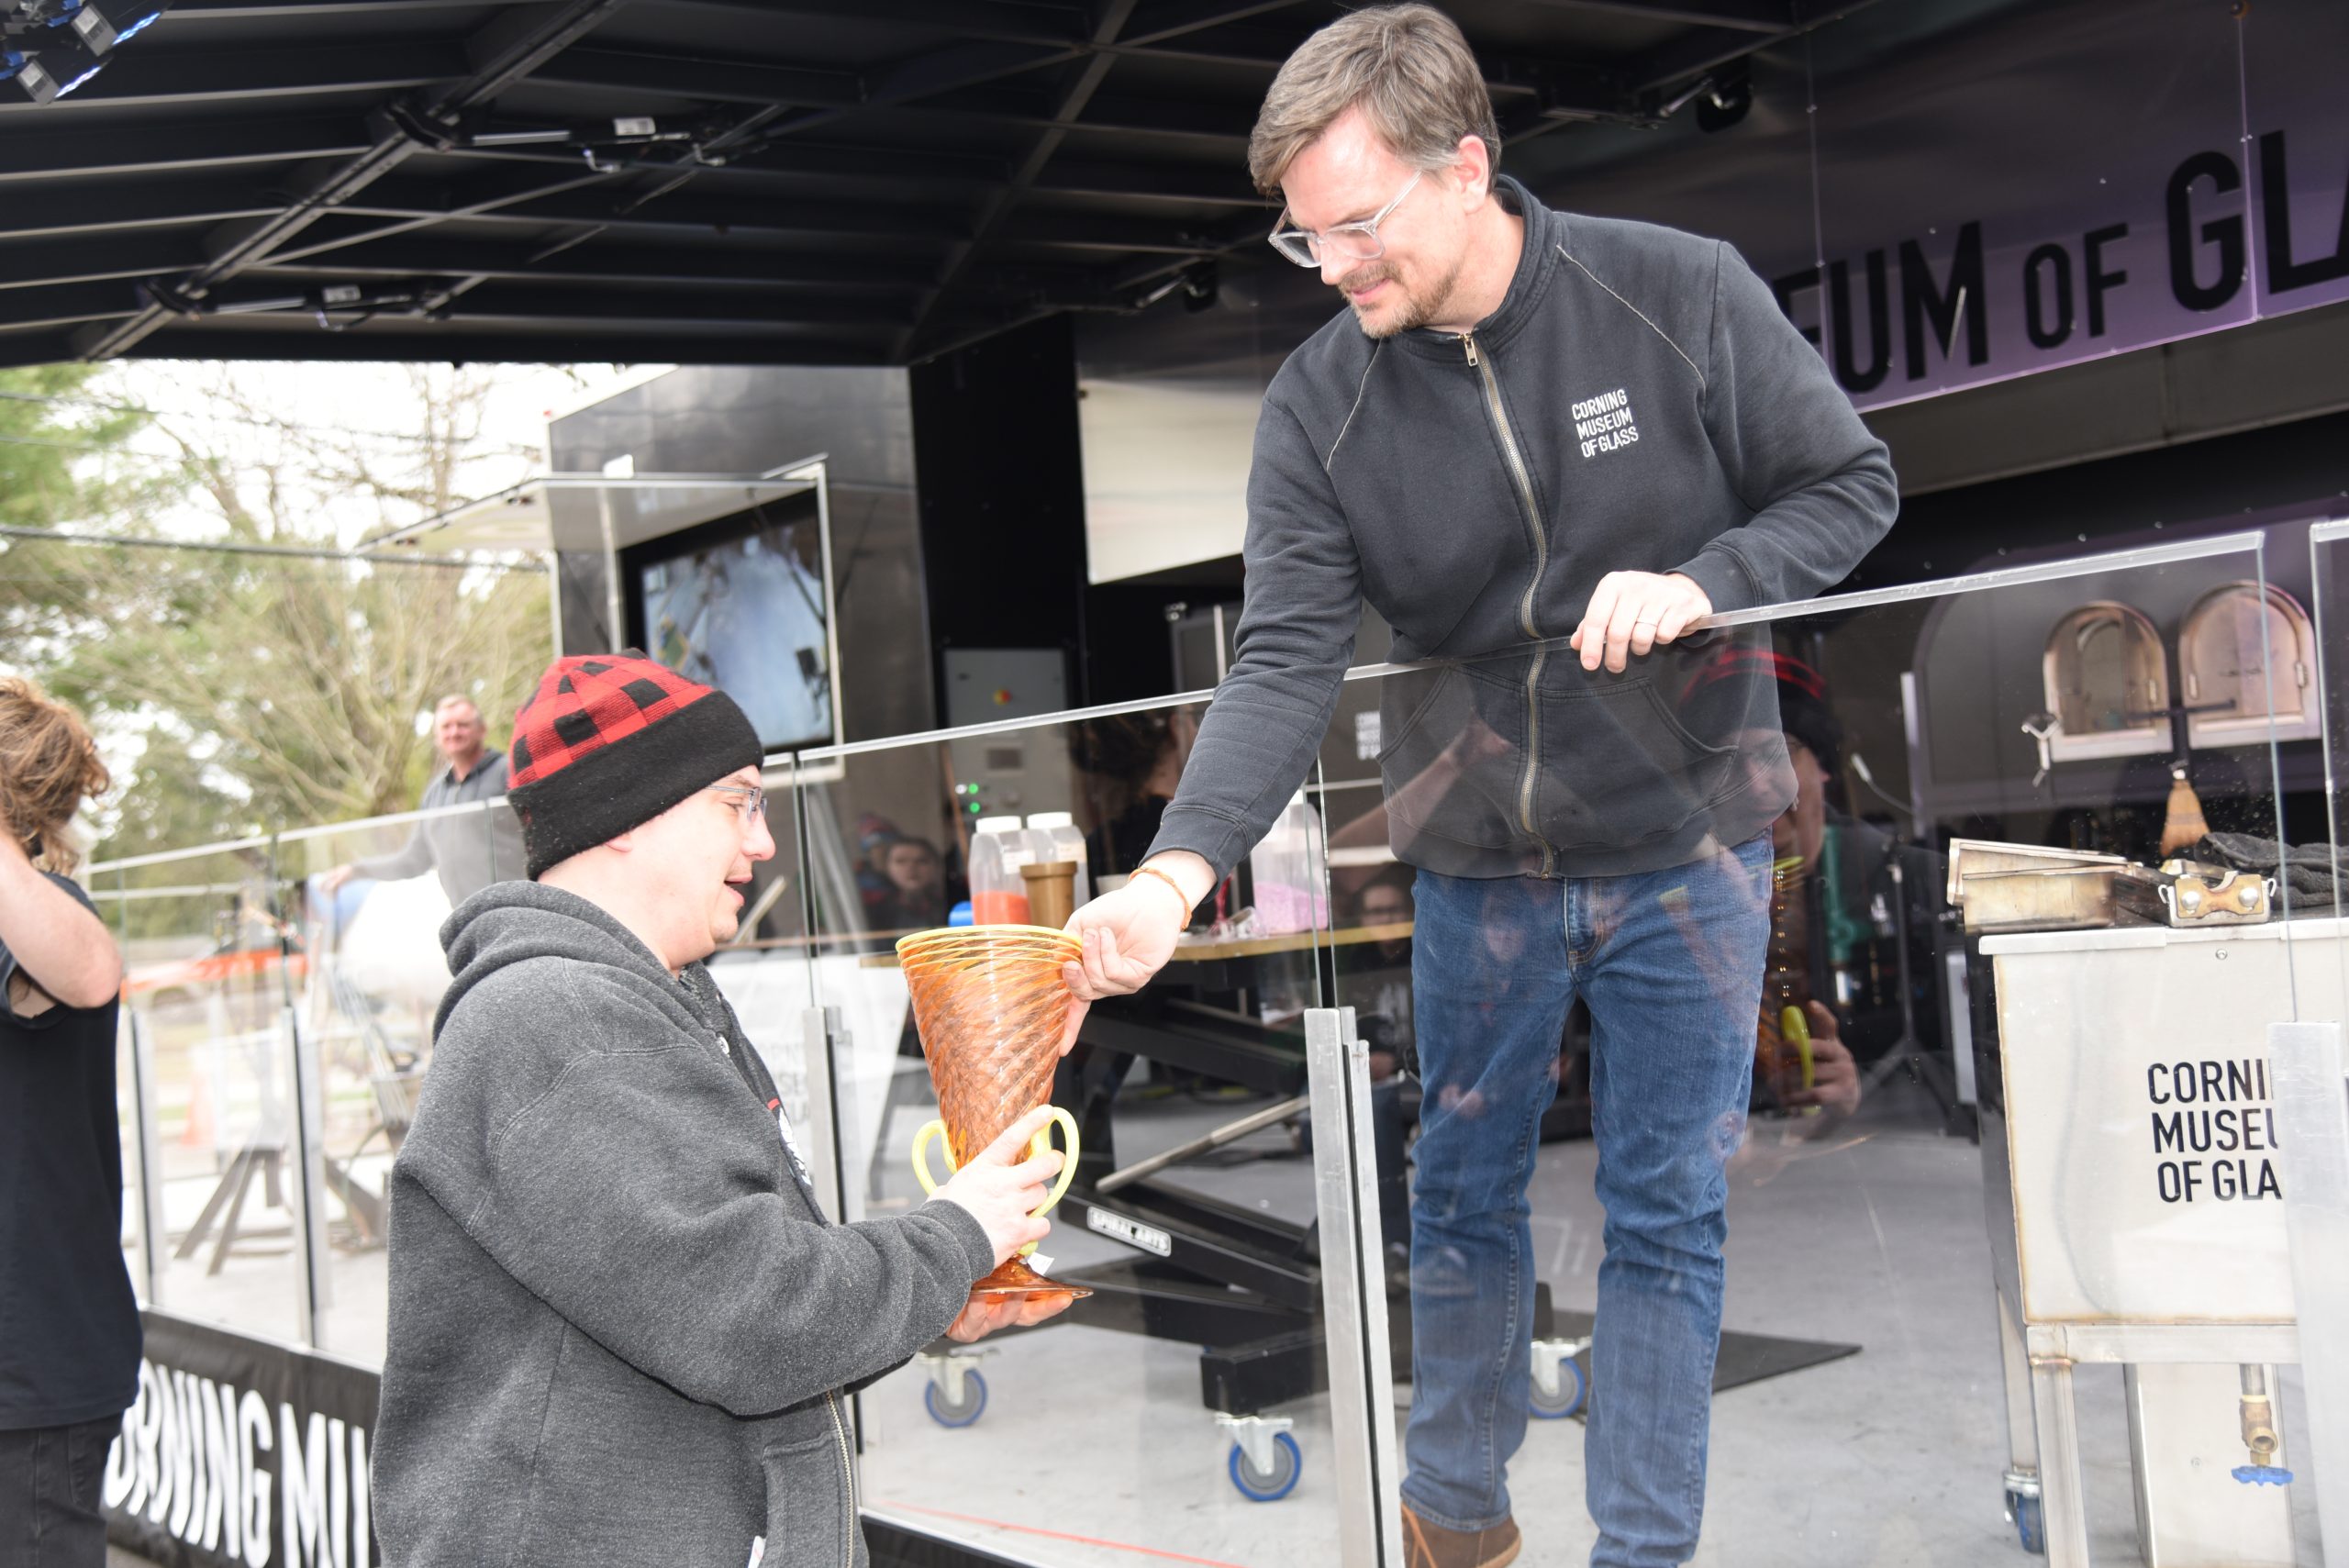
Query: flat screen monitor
{"x": 744, "y": 604}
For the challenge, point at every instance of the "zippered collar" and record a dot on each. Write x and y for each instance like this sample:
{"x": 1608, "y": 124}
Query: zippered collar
{"x": 1526, "y": 287}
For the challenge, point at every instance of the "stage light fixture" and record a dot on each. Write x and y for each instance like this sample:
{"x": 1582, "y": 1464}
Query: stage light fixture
{"x": 48, "y": 48}
{"x": 26, "y": 74}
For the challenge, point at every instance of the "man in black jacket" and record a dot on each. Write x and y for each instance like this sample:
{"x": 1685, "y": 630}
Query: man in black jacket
{"x": 1544, "y": 446}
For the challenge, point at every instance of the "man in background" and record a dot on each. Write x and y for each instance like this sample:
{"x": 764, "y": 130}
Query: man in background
{"x": 470, "y": 850}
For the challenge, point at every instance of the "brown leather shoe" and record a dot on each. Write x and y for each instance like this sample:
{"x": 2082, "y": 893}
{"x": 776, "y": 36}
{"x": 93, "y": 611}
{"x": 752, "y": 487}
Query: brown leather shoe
{"x": 1433, "y": 1546}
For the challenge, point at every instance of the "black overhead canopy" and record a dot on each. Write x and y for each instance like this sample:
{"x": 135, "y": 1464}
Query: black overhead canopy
{"x": 813, "y": 181}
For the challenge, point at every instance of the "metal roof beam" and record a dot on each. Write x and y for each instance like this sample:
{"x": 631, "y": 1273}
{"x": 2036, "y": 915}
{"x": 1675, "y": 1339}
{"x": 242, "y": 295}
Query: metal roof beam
{"x": 1766, "y": 17}
{"x": 1077, "y": 231}
{"x": 181, "y": 147}
{"x": 993, "y": 20}
{"x": 697, "y": 78}
{"x": 1689, "y": 57}
{"x": 1155, "y": 21}
{"x": 433, "y": 342}
{"x": 1112, "y": 115}
{"x": 34, "y": 264}
{"x": 716, "y": 215}
{"x": 1108, "y": 22}
{"x": 506, "y": 304}
{"x": 185, "y": 11}
{"x": 146, "y": 75}
{"x": 657, "y": 266}
{"x": 52, "y": 306}
{"x": 98, "y": 209}
{"x": 508, "y": 49}
{"x": 523, "y": 304}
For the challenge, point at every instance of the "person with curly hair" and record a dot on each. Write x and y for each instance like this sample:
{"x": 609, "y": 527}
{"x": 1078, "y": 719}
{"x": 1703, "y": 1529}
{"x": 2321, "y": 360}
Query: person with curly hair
{"x": 70, "y": 1341}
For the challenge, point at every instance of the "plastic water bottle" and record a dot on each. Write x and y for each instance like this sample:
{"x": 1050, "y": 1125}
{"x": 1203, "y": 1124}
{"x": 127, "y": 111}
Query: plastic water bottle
{"x": 1058, "y": 838}
{"x": 1290, "y": 872}
{"x": 998, "y": 894}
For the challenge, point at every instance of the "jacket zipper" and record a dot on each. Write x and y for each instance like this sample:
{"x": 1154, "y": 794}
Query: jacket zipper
{"x": 1482, "y": 364}
{"x": 847, "y": 1475}
{"x": 840, "y": 1427}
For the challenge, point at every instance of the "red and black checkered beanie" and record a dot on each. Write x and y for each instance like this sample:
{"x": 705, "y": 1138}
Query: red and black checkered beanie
{"x": 609, "y": 740}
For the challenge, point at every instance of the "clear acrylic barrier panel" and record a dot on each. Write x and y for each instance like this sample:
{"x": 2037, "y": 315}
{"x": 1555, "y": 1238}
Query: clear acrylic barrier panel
{"x": 2322, "y": 664}
{"x": 1205, "y": 1299}
{"x": 2310, "y": 1086}
{"x": 1683, "y": 956}
{"x": 764, "y": 970}
{"x": 211, "y": 970}
{"x": 368, "y": 901}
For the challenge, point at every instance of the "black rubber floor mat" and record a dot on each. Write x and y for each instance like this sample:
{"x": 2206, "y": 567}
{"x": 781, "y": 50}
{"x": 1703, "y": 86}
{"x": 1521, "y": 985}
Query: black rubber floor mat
{"x": 1744, "y": 1358}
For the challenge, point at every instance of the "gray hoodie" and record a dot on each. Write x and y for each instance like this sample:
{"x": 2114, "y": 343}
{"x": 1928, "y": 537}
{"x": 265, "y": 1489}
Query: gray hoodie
{"x": 621, "y": 1327}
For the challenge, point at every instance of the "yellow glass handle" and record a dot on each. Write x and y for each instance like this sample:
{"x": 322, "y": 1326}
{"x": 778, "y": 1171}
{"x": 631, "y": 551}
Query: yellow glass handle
{"x": 1043, "y": 1140}
{"x": 929, "y": 1130}
{"x": 1796, "y": 1028}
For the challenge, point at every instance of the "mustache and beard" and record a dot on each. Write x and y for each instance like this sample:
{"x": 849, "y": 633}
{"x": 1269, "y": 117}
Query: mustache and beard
{"x": 1411, "y": 309}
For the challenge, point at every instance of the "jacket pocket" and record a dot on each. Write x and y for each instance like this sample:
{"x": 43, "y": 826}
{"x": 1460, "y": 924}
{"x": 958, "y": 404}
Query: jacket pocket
{"x": 810, "y": 1521}
{"x": 1455, "y": 745}
{"x": 1622, "y": 763}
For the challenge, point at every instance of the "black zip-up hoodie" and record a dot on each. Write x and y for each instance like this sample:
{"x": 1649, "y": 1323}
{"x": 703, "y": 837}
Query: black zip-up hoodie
{"x": 1637, "y": 402}
{"x": 619, "y": 1324}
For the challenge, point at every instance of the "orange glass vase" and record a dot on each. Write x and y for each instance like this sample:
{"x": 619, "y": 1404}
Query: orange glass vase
{"x": 989, "y": 1005}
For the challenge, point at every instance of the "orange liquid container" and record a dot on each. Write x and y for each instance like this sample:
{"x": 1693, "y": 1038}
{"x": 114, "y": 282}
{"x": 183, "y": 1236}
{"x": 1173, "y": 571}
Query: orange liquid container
{"x": 998, "y": 892}
{"x": 998, "y": 908}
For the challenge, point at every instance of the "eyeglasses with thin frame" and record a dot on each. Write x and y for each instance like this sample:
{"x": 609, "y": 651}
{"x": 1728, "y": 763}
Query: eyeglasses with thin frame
{"x": 1350, "y": 241}
{"x": 749, "y": 800}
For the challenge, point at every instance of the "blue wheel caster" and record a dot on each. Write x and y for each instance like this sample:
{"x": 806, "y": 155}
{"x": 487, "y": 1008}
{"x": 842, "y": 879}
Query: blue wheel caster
{"x": 1566, "y": 1399}
{"x": 2030, "y": 1529}
{"x": 1263, "y": 1486}
{"x": 1559, "y": 1386}
{"x": 948, "y": 1411}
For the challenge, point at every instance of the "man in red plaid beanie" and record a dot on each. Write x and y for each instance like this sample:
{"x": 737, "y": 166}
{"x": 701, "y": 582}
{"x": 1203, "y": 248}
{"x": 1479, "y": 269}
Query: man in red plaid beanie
{"x": 621, "y": 1328}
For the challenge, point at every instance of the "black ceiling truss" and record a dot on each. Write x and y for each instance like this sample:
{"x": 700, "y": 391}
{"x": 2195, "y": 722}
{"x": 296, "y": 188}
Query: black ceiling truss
{"x": 839, "y": 181}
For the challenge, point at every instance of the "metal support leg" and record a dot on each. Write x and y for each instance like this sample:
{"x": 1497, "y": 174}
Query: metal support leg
{"x": 819, "y": 1028}
{"x": 824, "y": 1042}
{"x": 2312, "y": 1144}
{"x": 2022, "y": 1433}
{"x": 2062, "y": 1503}
{"x": 151, "y": 1239}
{"x": 1353, "y": 1293}
{"x": 316, "y": 1286}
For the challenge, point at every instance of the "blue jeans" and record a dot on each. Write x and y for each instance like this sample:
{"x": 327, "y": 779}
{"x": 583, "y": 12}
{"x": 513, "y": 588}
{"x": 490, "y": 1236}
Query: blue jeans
{"x": 1671, "y": 964}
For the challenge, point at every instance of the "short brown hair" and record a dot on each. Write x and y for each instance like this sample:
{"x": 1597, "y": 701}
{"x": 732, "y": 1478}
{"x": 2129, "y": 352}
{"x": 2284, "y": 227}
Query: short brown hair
{"x": 49, "y": 765}
{"x": 1407, "y": 67}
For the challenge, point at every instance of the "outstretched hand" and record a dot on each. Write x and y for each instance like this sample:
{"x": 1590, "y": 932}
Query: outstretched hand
{"x": 1128, "y": 935}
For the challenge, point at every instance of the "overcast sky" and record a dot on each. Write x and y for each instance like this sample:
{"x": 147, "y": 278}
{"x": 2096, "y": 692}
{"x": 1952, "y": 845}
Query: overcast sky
{"x": 369, "y": 407}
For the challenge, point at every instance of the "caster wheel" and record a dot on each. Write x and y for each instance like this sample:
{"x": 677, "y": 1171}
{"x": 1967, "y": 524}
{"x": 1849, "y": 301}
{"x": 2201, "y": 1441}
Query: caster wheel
{"x": 957, "y": 1413}
{"x": 2030, "y": 1529}
{"x": 1260, "y": 1487}
{"x": 1566, "y": 1401}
